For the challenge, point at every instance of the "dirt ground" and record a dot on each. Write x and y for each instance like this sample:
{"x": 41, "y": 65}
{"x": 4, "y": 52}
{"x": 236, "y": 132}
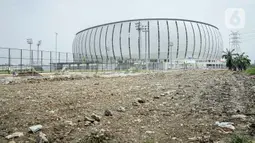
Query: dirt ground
{"x": 177, "y": 106}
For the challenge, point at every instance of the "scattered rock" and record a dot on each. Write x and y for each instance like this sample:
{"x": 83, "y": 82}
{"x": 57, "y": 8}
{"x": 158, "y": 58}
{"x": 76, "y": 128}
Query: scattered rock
{"x": 42, "y": 138}
{"x": 121, "y": 109}
{"x": 35, "y": 128}
{"x": 163, "y": 94}
{"x": 52, "y": 111}
{"x": 252, "y": 130}
{"x": 89, "y": 119}
{"x": 168, "y": 93}
{"x": 135, "y": 103}
{"x": 253, "y": 88}
{"x": 14, "y": 135}
{"x": 96, "y": 123}
{"x": 239, "y": 116}
{"x": 98, "y": 136}
{"x": 107, "y": 112}
{"x": 3, "y": 134}
{"x": 138, "y": 120}
{"x": 193, "y": 139}
{"x": 96, "y": 117}
{"x": 87, "y": 123}
{"x": 140, "y": 100}
{"x": 70, "y": 123}
{"x": 149, "y": 132}
{"x": 156, "y": 97}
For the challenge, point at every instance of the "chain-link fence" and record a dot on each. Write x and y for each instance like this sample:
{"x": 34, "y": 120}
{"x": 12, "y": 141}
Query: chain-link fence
{"x": 21, "y": 59}
{"x": 50, "y": 61}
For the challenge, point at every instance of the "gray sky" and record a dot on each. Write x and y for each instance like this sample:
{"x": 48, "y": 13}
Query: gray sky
{"x": 40, "y": 19}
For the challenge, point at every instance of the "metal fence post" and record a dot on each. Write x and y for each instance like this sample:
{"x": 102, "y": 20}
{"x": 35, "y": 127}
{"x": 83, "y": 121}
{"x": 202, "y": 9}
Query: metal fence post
{"x": 32, "y": 59}
{"x": 9, "y": 58}
{"x": 21, "y": 59}
{"x": 66, "y": 57}
{"x": 50, "y": 61}
{"x": 59, "y": 57}
{"x": 42, "y": 59}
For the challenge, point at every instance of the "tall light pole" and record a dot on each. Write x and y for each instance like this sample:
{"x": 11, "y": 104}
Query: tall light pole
{"x": 139, "y": 28}
{"x": 30, "y": 42}
{"x": 38, "y": 45}
{"x": 145, "y": 30}
{"x": 56, "y": 46}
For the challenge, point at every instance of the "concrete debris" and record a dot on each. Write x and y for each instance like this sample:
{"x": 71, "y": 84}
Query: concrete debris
{"x": 14, "y": 135}
{"x": 239, "y": 116}
{"x": 42, "y": 138}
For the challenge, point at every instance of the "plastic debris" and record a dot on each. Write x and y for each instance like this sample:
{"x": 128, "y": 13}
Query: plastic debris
{"x": 228, "y": 125}
{"x": 35, "y": 128}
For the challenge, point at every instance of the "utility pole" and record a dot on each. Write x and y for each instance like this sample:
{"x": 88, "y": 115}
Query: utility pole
{"x": 30, "y": 42}
{"x": 56, "y": 46}
{"x": 145, "y": 30}
{"x": 38, "y": 45}
{"x": 234, "y": 41}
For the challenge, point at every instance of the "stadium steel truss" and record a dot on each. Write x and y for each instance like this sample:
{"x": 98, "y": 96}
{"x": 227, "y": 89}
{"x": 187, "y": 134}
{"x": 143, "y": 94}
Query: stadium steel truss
{"x": 152, "y": 39}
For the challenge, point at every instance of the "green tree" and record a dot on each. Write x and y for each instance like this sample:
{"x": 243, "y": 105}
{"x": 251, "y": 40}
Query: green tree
{"x": 241, "y": 62}
{"x": 228, "y": 55}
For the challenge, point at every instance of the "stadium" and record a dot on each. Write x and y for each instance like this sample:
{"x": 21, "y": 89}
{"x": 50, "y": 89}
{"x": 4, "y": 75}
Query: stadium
{"x": 154, "y": 43}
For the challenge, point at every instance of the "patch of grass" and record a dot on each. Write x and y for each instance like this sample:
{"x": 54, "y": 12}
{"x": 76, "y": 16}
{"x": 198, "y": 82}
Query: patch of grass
{"x": 250, "y": 71}
{"x": 98, "y": 137}
{"x": 240, "y": 139}
{"x": 4, "y": 72}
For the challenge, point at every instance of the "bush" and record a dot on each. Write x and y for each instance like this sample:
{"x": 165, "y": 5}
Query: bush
{"x": 240, "y": 139}
{"x": 38, "y": 68}
{"x": 250, "y": 71}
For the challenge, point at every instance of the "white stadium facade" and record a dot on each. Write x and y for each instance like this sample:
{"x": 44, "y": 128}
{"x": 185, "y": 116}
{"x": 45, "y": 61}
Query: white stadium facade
{"x": 166, "y": 42}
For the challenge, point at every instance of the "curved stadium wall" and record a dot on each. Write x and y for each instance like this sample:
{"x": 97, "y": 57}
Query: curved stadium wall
{"x": 164, "y": 40}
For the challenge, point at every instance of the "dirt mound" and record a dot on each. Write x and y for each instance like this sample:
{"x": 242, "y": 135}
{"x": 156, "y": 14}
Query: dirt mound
{"x": 28, "y": 73}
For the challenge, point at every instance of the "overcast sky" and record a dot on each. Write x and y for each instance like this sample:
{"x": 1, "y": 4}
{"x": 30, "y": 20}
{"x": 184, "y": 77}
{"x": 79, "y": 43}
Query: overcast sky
{"x": 40, "y": 19}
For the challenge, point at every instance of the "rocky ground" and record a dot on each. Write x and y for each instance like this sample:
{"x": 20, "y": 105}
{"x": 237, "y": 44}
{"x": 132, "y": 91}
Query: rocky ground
{"x": 177, "y": 106}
